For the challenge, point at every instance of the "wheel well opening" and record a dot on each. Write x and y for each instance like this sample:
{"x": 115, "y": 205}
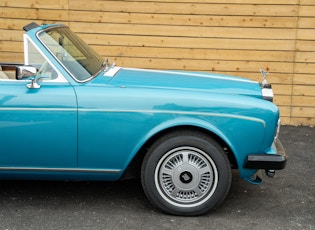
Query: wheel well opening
{"x": 134, "y": 168}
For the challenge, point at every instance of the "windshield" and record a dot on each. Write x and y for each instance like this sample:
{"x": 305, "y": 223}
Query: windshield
{"x": 74, "y": 54}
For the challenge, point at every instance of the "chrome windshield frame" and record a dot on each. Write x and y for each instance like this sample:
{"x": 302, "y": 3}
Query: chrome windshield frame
{"x": 55, "y": 57}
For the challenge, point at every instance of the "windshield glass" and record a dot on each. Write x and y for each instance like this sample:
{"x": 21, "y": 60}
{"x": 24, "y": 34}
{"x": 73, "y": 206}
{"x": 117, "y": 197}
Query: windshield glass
{"x": 74, "y": 54}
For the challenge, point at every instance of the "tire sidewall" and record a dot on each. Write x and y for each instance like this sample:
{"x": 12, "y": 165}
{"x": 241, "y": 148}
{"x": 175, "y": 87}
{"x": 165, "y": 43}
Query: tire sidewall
{"x": 207, "y": 145}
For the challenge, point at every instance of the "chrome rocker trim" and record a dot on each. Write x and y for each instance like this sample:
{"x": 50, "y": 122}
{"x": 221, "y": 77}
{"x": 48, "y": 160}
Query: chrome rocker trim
{"x": 69, "y": 170}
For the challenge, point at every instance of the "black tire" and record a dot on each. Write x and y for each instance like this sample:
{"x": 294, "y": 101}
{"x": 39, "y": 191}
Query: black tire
{"x": 186, "y": 173}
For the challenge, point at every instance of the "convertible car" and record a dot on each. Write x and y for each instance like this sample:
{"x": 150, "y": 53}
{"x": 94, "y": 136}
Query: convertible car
{"x": 66, "y": 114}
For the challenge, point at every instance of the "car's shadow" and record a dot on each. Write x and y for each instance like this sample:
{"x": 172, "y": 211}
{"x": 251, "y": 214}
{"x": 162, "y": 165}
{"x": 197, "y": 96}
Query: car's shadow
{"x": 71, "y": 194}
{"x": 127, "y": 194}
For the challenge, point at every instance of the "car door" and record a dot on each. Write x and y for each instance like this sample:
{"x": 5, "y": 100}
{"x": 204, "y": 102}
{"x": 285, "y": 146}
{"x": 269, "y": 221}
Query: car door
{"x": 38, "y": 127}
{"x": 38, "y": 122}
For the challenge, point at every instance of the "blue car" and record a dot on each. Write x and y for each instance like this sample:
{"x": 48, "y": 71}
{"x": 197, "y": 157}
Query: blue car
{"x": 66, "y": 114}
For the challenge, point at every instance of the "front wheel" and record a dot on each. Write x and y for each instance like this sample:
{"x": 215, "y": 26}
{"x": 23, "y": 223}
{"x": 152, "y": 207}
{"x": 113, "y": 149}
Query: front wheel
{"x": 186, "y": 173}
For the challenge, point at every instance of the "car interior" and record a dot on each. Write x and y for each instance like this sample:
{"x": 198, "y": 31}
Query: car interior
{"x": 7, "y": 72}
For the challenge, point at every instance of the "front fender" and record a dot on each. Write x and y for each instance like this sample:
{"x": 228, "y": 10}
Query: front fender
{"x": 238, "y": 132}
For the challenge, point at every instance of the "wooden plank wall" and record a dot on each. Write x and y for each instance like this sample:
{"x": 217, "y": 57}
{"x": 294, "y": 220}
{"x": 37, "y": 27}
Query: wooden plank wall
{"x": 235, "y": 37}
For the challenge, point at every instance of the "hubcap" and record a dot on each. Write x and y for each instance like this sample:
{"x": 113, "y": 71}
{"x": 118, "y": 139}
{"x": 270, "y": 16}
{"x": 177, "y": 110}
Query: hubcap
{"x": 186, "y": 177}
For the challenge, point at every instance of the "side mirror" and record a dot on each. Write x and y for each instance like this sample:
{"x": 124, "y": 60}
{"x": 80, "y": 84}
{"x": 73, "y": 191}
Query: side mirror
{"x": 24, "y": 72}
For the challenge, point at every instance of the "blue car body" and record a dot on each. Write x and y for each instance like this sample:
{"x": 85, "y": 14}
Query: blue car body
{"x": 97, "y": 129}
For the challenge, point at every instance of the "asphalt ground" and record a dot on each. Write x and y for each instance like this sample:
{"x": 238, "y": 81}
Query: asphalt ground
{"x": 283, "y": 202}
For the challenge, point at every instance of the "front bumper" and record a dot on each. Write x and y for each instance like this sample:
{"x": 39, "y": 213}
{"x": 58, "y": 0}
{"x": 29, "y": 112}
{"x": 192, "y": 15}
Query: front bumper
{"x": 268, "y": 161}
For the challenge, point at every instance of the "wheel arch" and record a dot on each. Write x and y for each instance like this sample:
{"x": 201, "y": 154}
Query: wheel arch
{"x": 134, "y": 167}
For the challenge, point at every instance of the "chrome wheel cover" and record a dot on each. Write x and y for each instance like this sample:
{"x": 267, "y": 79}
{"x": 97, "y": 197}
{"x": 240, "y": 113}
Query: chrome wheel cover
{"x": 186, "y": 177}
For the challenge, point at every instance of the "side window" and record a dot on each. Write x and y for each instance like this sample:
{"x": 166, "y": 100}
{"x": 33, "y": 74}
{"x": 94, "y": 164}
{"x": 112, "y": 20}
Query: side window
{"x": 34, "y": 58}
{"x": 31, "y": 54}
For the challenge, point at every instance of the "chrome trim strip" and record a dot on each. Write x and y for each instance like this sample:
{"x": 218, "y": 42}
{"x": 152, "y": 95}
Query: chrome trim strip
{"x": 37, "y": 109}
{"x": 68, "y": 170}
{"x": 277, "y": 130}
{"x": 191, "y": 74}
{"x": 206, "y": 114}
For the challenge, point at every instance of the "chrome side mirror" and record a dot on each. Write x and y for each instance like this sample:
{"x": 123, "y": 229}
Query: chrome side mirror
{"x": 25, "y": 72}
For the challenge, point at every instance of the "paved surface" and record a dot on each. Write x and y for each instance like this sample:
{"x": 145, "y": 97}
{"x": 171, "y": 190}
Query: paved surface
{"x": 283, "y": 202}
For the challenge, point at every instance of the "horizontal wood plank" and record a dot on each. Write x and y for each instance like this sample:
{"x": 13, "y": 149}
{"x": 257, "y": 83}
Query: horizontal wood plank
{"x": 305, "y": 101}
{"x": 307, "y": 121}
{"x": 191, "y": 20}
{"x": 197, "y": 54}
{"x": 285, "y": 111}
{"x": 202, "y": 65}
{"x": 302, "y": 45}
{"x": 35, "y": 14}
{"x": 185, "y": 31}
{"x": 307, "y": 2}
{"x": 304, "y": 79}
{"x": 283, "y": 100}
{"x": 285, "y": 120}
{"x": 185, "y": 8}
{"x": 11, "y": 46}
{"x": 18, "y": 24}
{"x": 306, "y": 23}
{"x": 306, "y": 34}
{"x": 11, "y": 57}
{"x": 303, "y": 112}
{"x": 304, "y": 90}
{"x": 269, "y": 2}
{"x": 304, "y": 68}
{"x": 46, "y": 4}
{"x": 280, "y": 89}
{"x": 307, "y": 10}
{"x": 11, "y": 35}
{"x": 189, "y": 42}
{"x": 308, "y": 57}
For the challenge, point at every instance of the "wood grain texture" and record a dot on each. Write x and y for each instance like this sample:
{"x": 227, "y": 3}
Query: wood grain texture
{"x": 235, "y": 37}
